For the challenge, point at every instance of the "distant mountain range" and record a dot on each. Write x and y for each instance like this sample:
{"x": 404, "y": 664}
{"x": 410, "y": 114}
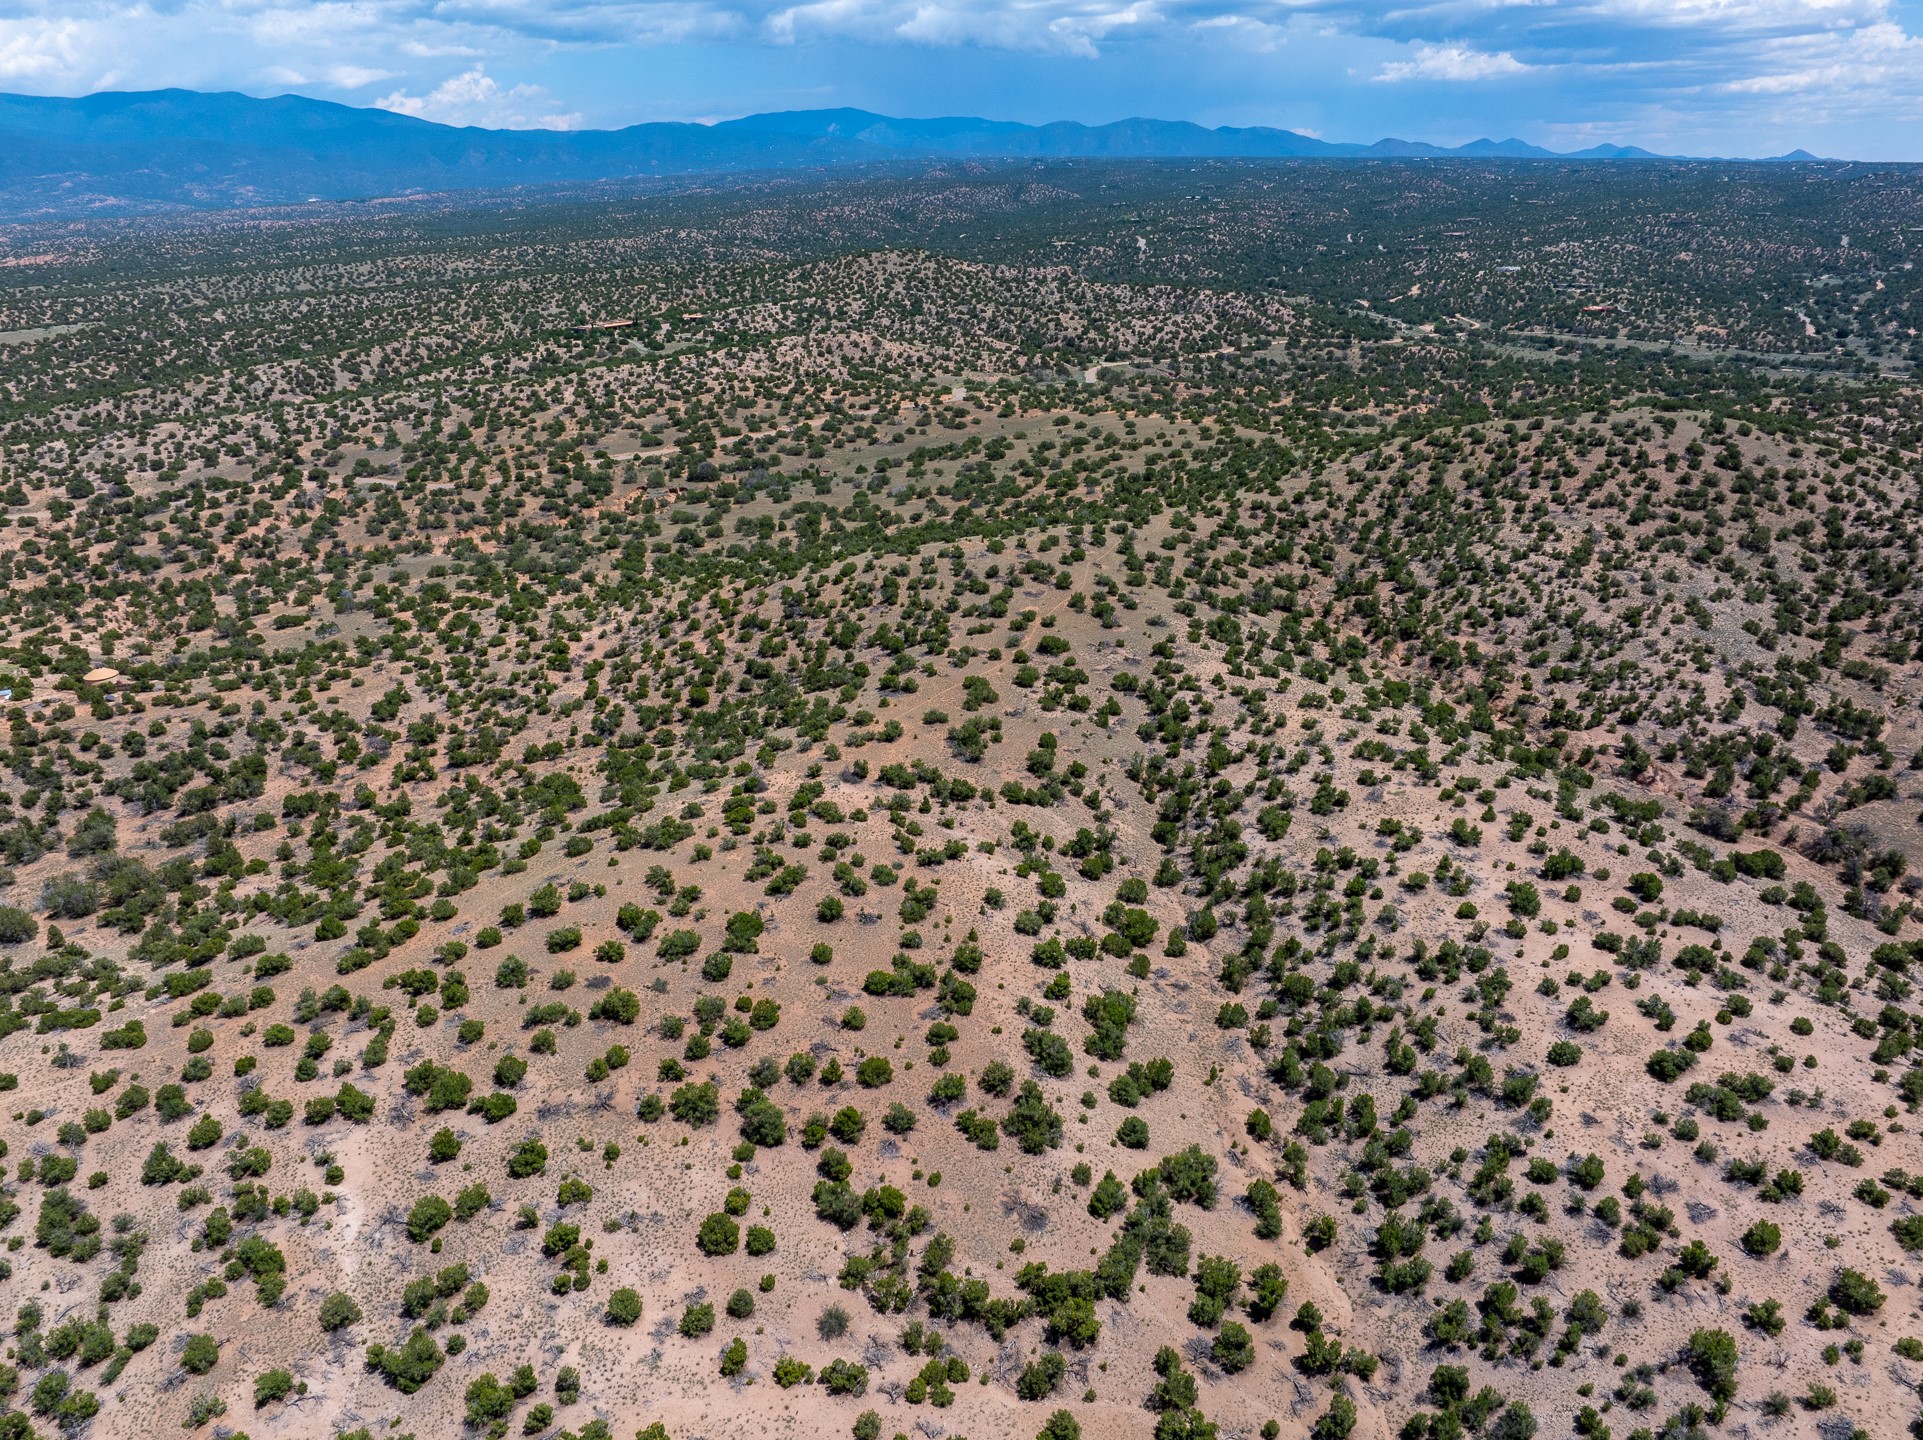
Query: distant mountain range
{"x": 154, "y": 151}
{"x": 1124, "y": 139}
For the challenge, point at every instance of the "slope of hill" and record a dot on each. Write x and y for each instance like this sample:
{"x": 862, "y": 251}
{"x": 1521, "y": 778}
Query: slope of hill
{"x": 703, "y": 817}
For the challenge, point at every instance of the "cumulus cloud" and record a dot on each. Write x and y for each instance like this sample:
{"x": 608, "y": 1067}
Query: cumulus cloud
{"x": 1879, "y": 67}
{"x": 1068, "y": 27}
{"x": 41, "y": 48}
{"x": 1451, "y": 63}
{"x": 1248, "y": 33}
{"x": 475, "y": 98}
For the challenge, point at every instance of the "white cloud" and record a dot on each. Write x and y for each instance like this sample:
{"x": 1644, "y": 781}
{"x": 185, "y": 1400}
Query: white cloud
{"x": 1878, "y": 66}
{"x": 37, "y": 48}
{"x": 592, "y": 22}
{"x": 324, "y": 25}
{"x": 1547, "y": 17}
{"x": 1735, "y": 17}
{"x": 1451, "y": 62}
{"x": 421, "y": 50}
{"x": 474, "y": 98}
{"x": 1245, "y": 32}
{"x": 1063, "y": 27}
{"x": 353, "y": 77}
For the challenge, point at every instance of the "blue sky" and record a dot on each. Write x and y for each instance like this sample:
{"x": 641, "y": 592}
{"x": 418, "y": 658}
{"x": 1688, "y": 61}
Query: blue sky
{"x": 1757, "y": 77}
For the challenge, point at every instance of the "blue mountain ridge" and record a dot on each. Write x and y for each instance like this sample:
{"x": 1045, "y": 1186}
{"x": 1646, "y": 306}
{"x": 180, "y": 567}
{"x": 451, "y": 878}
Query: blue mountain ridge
{"x": 142, "y": 152}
